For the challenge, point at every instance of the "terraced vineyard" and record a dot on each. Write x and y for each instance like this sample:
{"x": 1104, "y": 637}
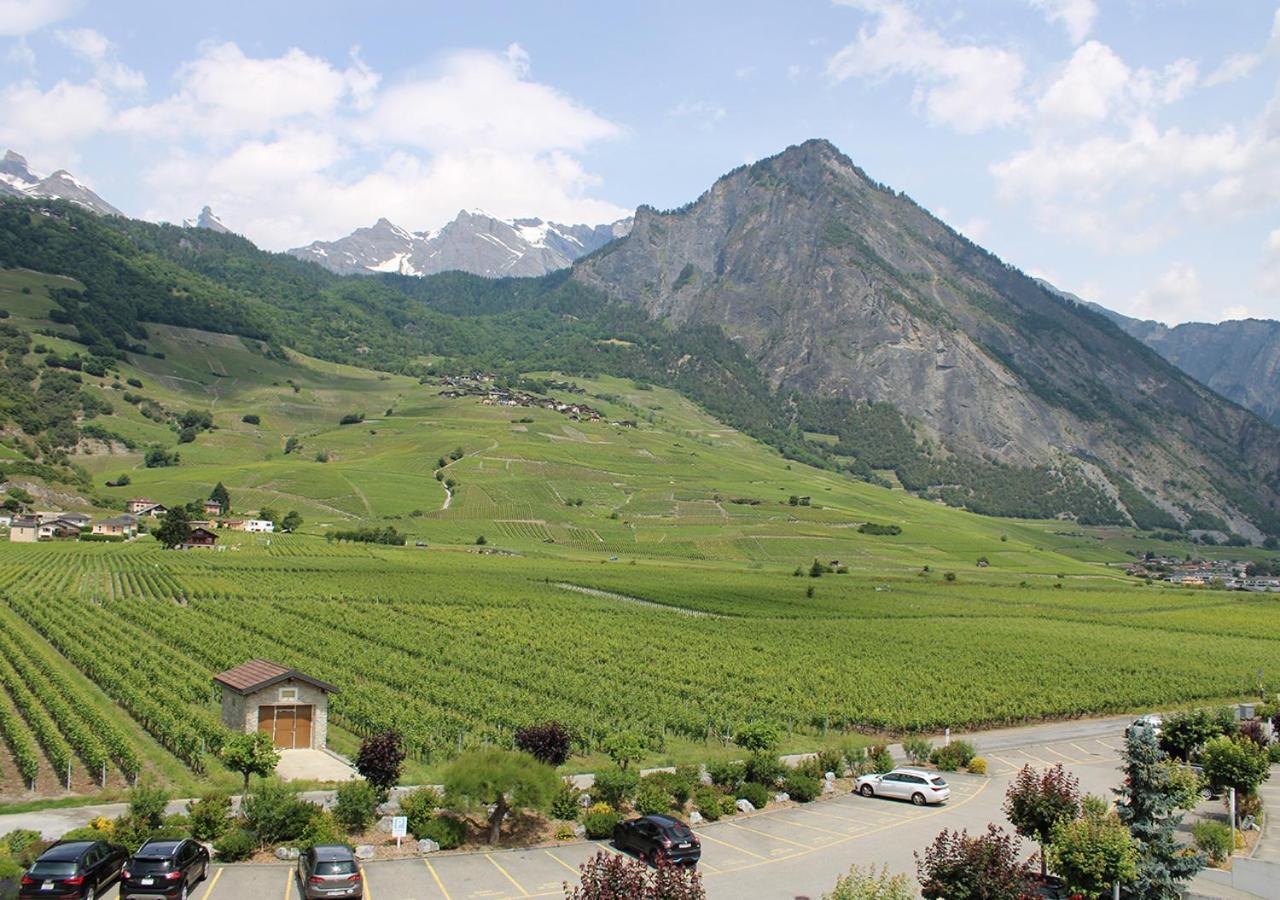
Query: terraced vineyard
{"x": 457, "y": 649}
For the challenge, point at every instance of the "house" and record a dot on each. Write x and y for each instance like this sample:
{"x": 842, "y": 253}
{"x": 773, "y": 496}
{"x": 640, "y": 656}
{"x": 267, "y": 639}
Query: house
{"x": 199, "y": 537}
{"x": 213, "y": 508}
{"x": 139, "y": 505}
{"x": 118, "y": 526}
{"x": 260, "y": 526}
{"x": 78, "y": 519}
{"x": 232, "y": 524}
{"x": 58, "y": 528}
{"x": 24, "y": 530}
{"x": 207, "y": 524}
{"x": 290, "y": 707}
{"x": 5, "y": 520}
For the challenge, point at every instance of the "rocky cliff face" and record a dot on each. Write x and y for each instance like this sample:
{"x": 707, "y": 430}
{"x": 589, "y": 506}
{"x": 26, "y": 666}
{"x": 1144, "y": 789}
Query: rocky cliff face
{"x": 473, "y": 242}
{"x": 838, "y": 287}
{"x": 17, "y": 180}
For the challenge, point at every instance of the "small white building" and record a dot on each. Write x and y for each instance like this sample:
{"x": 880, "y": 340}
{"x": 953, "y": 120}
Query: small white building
{"x": 288, "y": 706}
{"x": 260, "y": 526}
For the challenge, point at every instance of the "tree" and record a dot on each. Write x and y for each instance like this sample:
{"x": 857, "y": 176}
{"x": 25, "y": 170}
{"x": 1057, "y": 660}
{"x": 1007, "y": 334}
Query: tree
{"x": 1093, "y": 853}
{"x": 959, "y": 867}
{"x": 1183, "y": 734}
{"x": 499, "y": 780}
{"x": 221, "y": 496}
{"x": 174, "y": 528}
{"x": 548, "y": 742}
{"x": 1035, "y": 802}
{"x": 871, "y": 885}
{"x": 624, "y": 748}
{"x": 757, "y": 737}
{"x": 380, "y": 759}
{"x": 1235, "y": 763}
{"x": 611, "y": 876}
{"x": 250, "y": 754}
{"x": 1147, "y": 803}
{"x": 292, "y": 521}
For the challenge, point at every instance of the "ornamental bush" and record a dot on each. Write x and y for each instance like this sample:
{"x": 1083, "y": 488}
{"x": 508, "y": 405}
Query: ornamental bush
{"x": 236, "y": 845}
{"x": 727, "y": 773}
{"x": 419, "y": 808}
{"x": 354, "y": 805}
{"x": 756, "y": 794}
{"x": 210, "y": 816}
{"x": 764, "y": 768}
{"x": 566, "y": 804}
{"x": 600, "y": 821}
{"x": 1214, "y": 838}
{"x": 616, "y": 786}
{"x": 917, "y": 749}
{"x": 953, "y": 756}
{"x": 652, "y": 797}
{"x": 445, "y": 830}
{"x": 802, "y": 788}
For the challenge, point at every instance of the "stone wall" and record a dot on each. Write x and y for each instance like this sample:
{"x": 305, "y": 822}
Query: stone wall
{"x": 240, "y": 713}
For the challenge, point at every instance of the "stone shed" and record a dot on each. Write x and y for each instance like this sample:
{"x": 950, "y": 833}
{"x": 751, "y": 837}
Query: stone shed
{"x": 283, "y": 703}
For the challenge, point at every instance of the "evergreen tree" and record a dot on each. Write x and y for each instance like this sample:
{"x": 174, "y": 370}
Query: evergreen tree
{"x": 175, "y": 528}
{"x": 221, "y": 496}
{"x": 1148, "y": 804}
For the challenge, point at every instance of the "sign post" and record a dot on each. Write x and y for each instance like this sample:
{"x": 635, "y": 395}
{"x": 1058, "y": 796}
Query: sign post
{"x": 399, "y": 828}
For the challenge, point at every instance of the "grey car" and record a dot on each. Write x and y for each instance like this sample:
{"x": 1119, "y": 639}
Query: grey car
{"x": 329, "y": 870}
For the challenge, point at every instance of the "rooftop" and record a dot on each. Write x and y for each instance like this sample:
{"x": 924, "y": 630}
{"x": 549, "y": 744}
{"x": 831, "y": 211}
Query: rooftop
{"x": 257, "y": 674}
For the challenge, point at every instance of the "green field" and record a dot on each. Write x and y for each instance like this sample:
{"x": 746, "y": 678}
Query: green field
{"x": 632, "y": 575}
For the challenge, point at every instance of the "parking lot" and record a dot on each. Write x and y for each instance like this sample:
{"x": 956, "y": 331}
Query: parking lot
{"x": 784, "y": 853}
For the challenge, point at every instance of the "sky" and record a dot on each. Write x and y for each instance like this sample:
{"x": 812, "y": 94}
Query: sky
{"x": 1126, "y": 150}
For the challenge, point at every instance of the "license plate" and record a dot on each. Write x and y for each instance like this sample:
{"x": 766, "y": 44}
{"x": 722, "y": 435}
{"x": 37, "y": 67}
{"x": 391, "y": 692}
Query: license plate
{"x": 147, "y": 882}
{"x": 47, "y": 886}
{"x": 682, "y": 846}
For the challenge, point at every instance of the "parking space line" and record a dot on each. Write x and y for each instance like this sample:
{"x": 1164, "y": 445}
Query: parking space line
{"x": 843, "y": 819}
{"x": 839, "y": 834}
{"x": 1043, "y": 762}
{"x": 563, "y": 863}
{"x": 212, "y": 884}
{"x": 436, "y": 877}
{"x": 1007, "y": 762}
{"x": 1084, "y": 751}
{"x": 497, "y": 865}
{"x": 707, "y": 837}
{"x": 1105, "y": 744}
{"x": 1063, "y": 755}
{"x": 288, "y": 884}
{"x": 368, "y": 894}
{"x": 772, "y": 837}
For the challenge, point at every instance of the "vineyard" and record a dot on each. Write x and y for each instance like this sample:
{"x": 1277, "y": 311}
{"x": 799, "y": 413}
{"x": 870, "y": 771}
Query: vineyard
{"x": 459, "y": 649}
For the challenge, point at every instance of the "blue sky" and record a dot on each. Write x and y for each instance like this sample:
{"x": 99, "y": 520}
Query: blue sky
{"x": 1127, "y": 150}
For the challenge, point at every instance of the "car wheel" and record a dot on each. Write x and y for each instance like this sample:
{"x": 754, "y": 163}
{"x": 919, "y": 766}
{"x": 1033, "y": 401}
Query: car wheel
{"x": 867, "y": 790}
{"x": 183, "y": 895}
{"x": 91, "y": 894}
{"x": 204, "y": 870}
{"x": 918, "y": 799}
{"x": 1206, "y": 793}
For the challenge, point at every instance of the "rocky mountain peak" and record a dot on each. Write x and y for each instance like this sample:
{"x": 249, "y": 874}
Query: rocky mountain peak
{"x": 17, "y": 179}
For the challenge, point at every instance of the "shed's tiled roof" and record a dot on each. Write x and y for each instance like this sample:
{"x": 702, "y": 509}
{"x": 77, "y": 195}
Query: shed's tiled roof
{"x": 260, "y": 673}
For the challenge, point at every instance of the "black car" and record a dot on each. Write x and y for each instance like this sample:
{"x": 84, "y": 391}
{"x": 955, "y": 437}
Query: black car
{"x": 329, "y": 870}
{"x": 79, "y": 869}
{"x": 657, "y": 839}
{"x": 163, "y": 868}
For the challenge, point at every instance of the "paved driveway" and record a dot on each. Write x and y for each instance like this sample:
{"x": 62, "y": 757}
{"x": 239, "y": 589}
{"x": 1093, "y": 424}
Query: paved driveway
{"x": 783, "y": 854}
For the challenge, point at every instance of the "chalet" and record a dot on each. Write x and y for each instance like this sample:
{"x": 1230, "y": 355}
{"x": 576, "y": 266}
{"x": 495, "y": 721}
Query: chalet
{"x": 290, "y": 707}
{"x": 58, "y": 529}
{"x": 232, "y": 524}
{"x": 199, "y": 537}
{"x": 24, "y": 530}
{"x": 207, "y": 524}
{"x": 118, "y": 526}
{"x": 79, "y": 519}
{"x": 213, "y": 508}
{"x": 139, "y": 505}
{"x": 260, "y": 526}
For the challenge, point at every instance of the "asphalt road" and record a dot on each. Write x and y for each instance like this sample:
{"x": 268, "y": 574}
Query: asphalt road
{"x": 783, "y": 854}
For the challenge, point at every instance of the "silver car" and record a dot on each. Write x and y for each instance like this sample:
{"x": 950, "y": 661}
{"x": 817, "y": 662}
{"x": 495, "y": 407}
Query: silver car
{"x": 916, "y": 785}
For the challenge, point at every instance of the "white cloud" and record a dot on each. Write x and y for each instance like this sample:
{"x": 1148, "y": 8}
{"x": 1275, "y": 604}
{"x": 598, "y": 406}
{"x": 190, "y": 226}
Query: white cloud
{"x": 705, "y": 115}
{"x": 1096, "y": 83}
{"x": 21, "y": 54}
{"x": 94, "y": 47}
{"x": 967, "y": 86}
{"x": 20, "y": 17}
{"x": 1233, "y": 68}
{"x": 1176, "y": 296}
{"x": 50, "y": 124}
{"x": 1269, "y": 276}
{"x": 1077, "y": 16}
{"x": 794, "y": 72}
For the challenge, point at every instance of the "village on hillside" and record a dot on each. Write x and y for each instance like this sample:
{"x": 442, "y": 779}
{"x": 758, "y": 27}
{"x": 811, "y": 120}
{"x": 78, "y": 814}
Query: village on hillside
{"x": 1231, "y": 575}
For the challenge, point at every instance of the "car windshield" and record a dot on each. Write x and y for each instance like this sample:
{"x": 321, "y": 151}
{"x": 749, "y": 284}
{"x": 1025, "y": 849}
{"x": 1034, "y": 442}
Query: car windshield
{"x": 149, "y": 865}
{"x": 678, "y": 832}
{"x": 938, "y": 782}
{"x": 338, "y": 867}
{"x": 53, "y": 869}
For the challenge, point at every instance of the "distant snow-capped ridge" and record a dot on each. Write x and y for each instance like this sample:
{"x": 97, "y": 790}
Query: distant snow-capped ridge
{"x": 473, "y": 242}
{"x": 17, "y": 180}
{"x": 207, "y": 220}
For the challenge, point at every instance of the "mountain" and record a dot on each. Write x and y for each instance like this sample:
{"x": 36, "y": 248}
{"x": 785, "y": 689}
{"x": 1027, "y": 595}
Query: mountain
{"x": 17, "y": 180}
{"x": 1238, "y": 358}
{"x": 473, "y": 242}
{"x": 838, "y": 288}
{"x": 208, "y": 220}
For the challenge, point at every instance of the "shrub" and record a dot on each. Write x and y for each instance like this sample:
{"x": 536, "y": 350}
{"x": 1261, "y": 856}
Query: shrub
{"x": 147, "y": 802}
{"x": 985, "y": 865}
{"x": 84, "y": 833}
{"x": 236, "y": 845}
{"x": 616, "y": 786}
{"x": 567, "y": 804}
{"x": 802, "y": 788}
{"x": 727, "y": 773}
{"x": 380, "y": 759}
{"x": 977, "y": 766}
{"x": 251, "y": 419}
{"x": 18, "y": 841}
{"x": 955, "y": 755}
{"x": 276, "y": 813}
{"x": 710, "y": 802}
{"x": 1235, "y": 762}
{"x": 949, "y": 576}
{"x": 755, "y": 737}
{"x": 210, "y": 816}
{"x": 917, "y": 749}
{"x": 446, "y": 831}
{"x": 764, "y": 768}
{"x": 418, "y": 807}
{"x": 600, "y": 823}
{"x": 755, "y": 793}
{"x": 871, "y": 885}
{"x": 351, "y": 419}
{"x": 831, "y": 761}
{"x": 610, "y": 875}
{"x": 321, "y": 828}
{"x": 879, "y": 758}
{"x": 1214, "y": 838}
{"x": 652, "y": 796}
{"x": 682, "y": 782}
{"x": 354, "y": 805}
{"x": 1273, "y": 753}
{"x": 549, "y": 742}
